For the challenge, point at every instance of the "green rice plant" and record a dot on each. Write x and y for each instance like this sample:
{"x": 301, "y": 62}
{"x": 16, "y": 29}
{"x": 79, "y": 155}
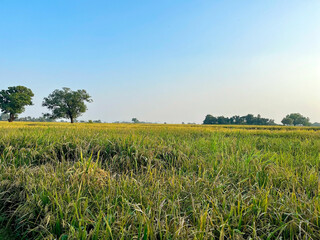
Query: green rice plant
{"x": 125, "y": 181}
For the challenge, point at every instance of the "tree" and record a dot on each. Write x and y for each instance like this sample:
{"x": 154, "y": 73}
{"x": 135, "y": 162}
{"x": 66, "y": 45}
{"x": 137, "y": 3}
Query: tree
{"x": 223, "y": 120}
{"x": 249, "y": 119}
{"x": 210, "y": 120}
{"x": 297, "y": 119}
{"x": 66, "y": 103}
{"x": 237, "y": 120}
{"x": 14, "y": 100}
{"x": 287, "y": 121}
{"x": 135, "y": 120}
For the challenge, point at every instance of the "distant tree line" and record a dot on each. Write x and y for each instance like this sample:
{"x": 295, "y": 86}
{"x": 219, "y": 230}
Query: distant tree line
{"x": 5, "y": 117}
{"x": 293, "y": 119}
{"x": 249, "y": 119}
{"x": 135, "y": 120}
{"x": 35, "y": 119}
{"x": 92, "y": 121}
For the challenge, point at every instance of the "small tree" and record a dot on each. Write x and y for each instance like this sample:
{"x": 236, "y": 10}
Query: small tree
{"x": 14, "y": 100}
{"x": 135, "y": 120}
{"x": 209, "y": 119}
{"x": 66, "y": 103}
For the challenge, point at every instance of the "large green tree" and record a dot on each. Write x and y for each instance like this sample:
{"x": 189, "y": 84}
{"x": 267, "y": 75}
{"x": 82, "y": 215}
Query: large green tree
{"x": 287, "y": 121}
{"x": 296, "y": 119}
{"x": 66, "y": 103}
{"x": 14, "y": 99}
{"x": 210, "y": 119}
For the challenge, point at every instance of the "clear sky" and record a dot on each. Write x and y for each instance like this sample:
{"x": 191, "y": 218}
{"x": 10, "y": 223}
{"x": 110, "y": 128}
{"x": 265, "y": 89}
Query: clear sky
{"x": 168, "y": 60}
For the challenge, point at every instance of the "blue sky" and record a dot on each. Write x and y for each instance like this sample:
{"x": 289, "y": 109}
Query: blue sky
{"x": 166, "y": 60}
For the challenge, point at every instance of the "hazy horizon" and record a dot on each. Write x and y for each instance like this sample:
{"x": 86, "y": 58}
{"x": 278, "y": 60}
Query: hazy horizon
{"x": 166, "y": 61}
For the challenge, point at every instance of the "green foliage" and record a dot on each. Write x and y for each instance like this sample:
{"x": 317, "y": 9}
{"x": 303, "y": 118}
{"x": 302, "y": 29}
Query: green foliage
{"x": 135, "y": 120}
{"x": 66, "y": 103}
{"x": 138, "y": 181}
{"x": 14, "y": 99}
{"x": 247, "y": 120}
{"x": 35, "y": 119}
{"x": 287, "y": 121}
{"x": 210, "y": 119}
{"x": 296, "y": 119}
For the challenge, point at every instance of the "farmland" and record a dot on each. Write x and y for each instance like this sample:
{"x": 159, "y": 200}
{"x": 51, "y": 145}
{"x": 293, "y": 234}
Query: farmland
{"x": 140, "y": 181}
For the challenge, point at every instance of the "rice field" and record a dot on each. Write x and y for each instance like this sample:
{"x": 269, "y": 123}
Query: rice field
{"x": 140, "y": 181}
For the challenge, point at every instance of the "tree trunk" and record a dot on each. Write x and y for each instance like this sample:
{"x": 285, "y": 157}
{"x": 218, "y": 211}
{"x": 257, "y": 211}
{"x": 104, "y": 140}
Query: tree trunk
{"x": 11, "y": 118}
{"x": 71, "y": 118}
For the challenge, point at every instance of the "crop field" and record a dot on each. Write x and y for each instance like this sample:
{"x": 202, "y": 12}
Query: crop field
{"x": 139, "y": 181}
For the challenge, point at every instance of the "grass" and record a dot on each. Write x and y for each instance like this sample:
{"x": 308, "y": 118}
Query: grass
{"x": 6, "y": 234}
{"x": 139, "y": 181}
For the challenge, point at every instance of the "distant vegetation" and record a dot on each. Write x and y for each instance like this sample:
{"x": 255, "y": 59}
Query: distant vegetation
{"x": 296, "y": 119}
{"x": 135, "y": 120}
{"x": 249, "y": 119}
{"x": 91, "y": 121}
{"x": 5, "y": 117}
{"x": 293, "y": 119}
{"x": 33, "y": 119}
{"x": 68, "y": 104}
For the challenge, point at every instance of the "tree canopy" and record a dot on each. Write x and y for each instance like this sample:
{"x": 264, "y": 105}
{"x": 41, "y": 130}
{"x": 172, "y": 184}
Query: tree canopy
{"x": 296, "y": 119}
{"x": 66, "y": 103}
{"x": 135, "y": 120}
{"x": 14, "y": 99}
{"x": 35, "y": 119}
